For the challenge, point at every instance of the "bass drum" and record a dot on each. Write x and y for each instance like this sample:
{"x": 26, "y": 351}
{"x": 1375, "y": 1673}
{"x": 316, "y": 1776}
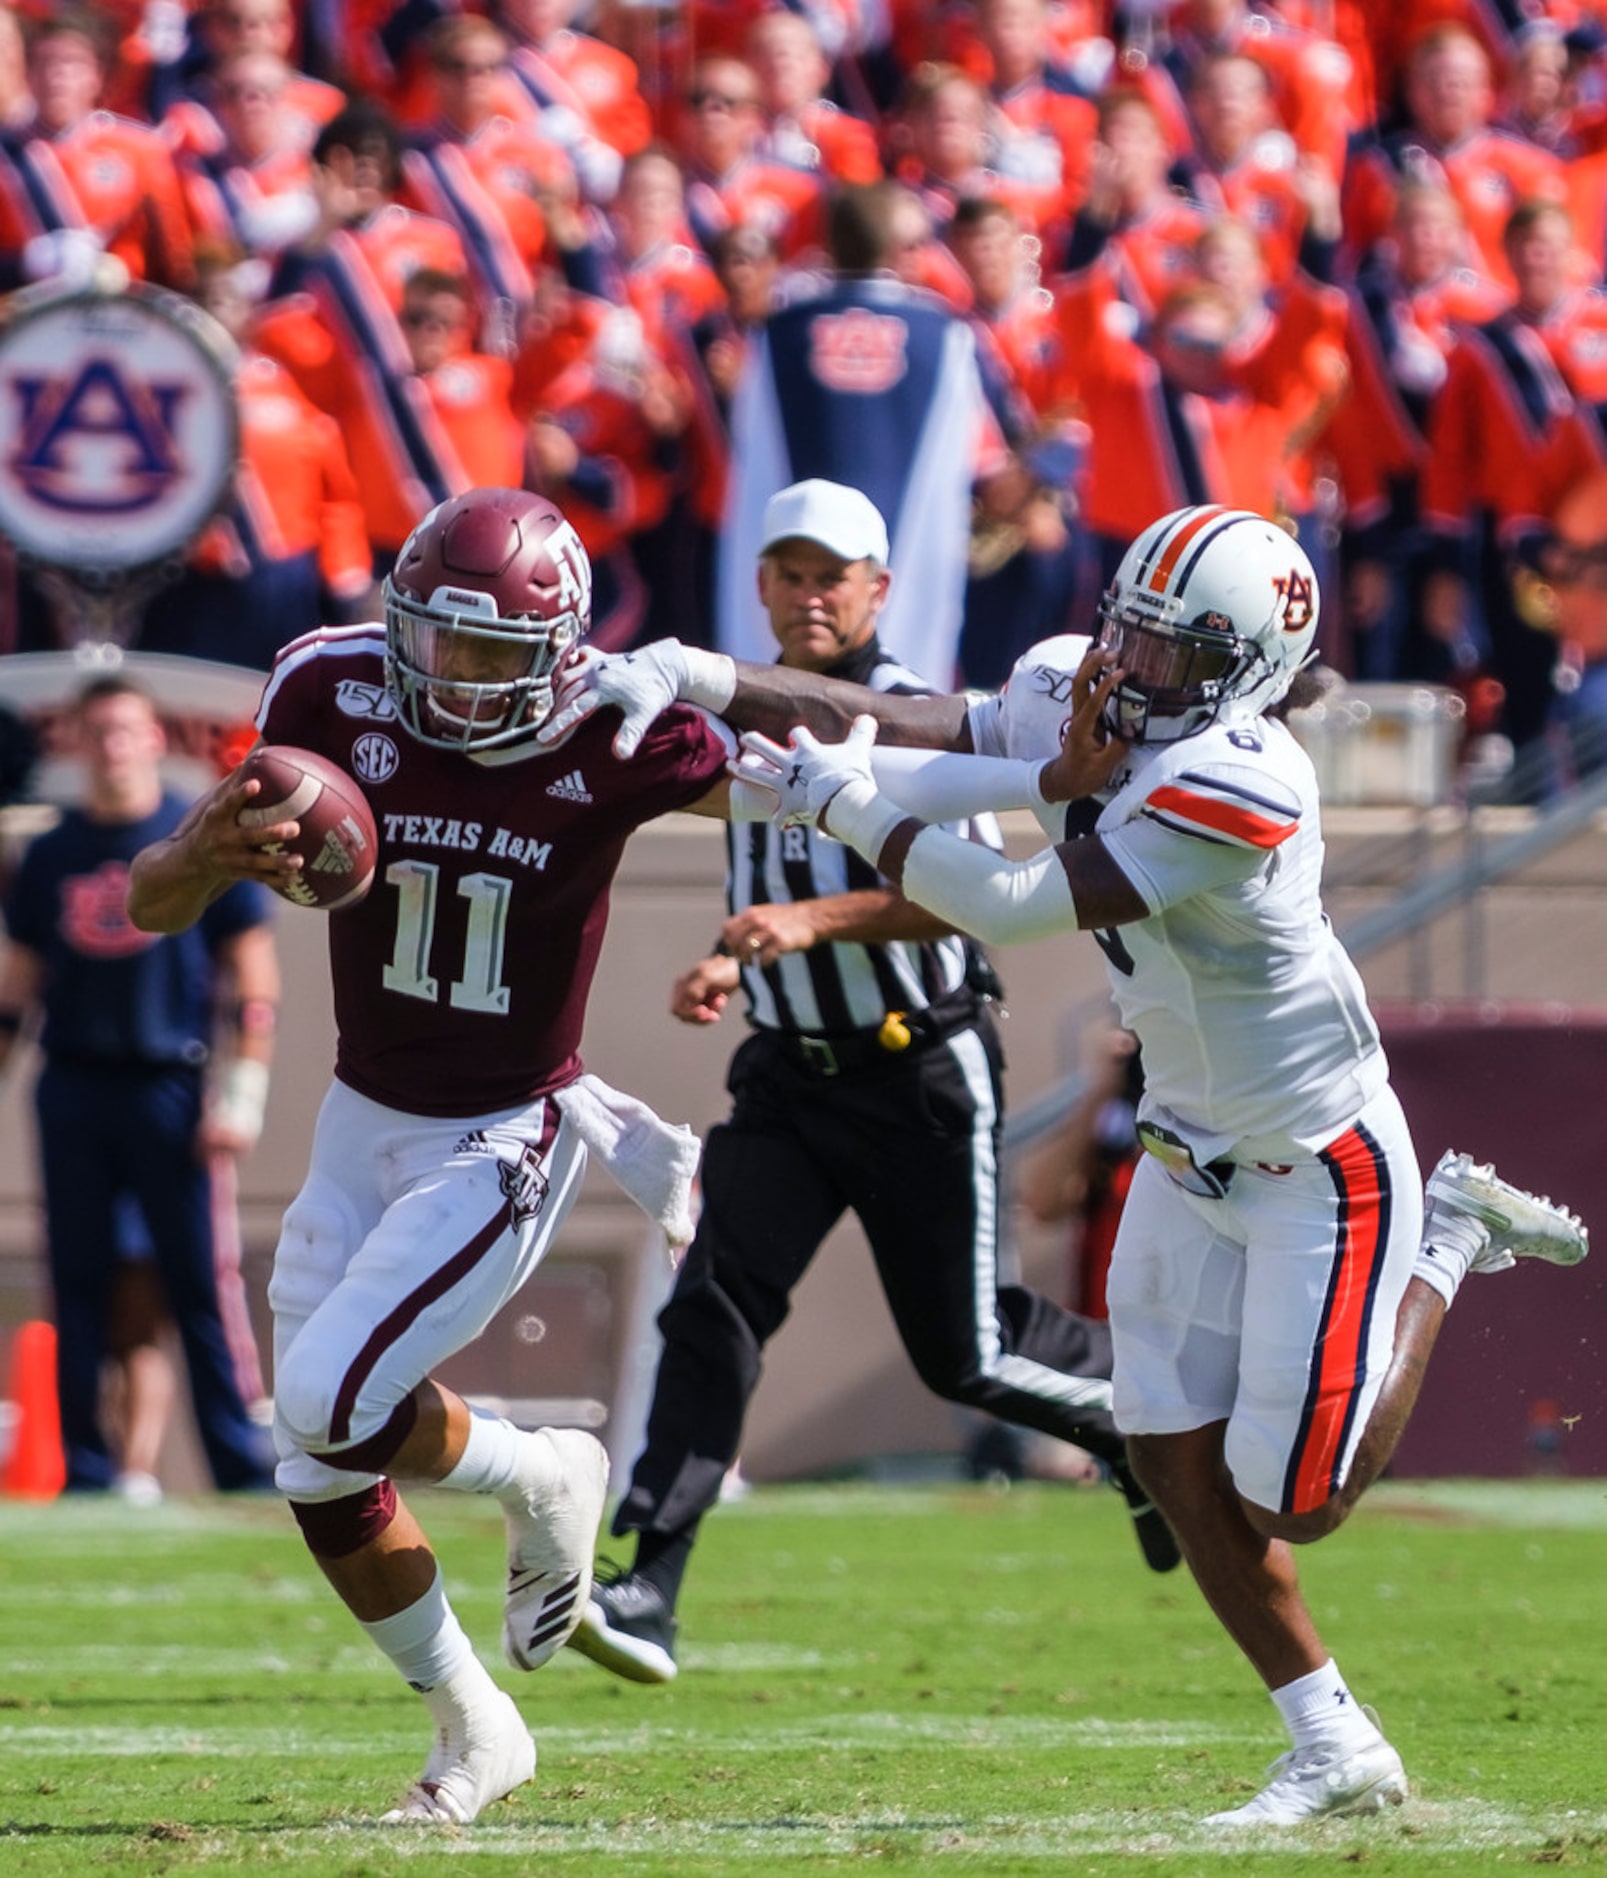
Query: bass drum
{"x": 119, "y": 431}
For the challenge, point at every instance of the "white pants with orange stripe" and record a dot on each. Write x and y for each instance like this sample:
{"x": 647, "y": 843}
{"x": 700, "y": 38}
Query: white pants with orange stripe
{"x": 408, "y": 1236}
{"x": 1272, "y": 1309}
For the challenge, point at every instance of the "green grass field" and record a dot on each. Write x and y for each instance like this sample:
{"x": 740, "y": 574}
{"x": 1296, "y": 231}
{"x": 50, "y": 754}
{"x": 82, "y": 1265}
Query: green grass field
{"x": 914, "y": 1679}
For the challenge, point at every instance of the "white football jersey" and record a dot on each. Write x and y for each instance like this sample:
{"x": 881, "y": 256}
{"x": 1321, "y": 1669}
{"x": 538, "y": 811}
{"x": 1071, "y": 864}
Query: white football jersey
{"x": 1253, "y": 1020}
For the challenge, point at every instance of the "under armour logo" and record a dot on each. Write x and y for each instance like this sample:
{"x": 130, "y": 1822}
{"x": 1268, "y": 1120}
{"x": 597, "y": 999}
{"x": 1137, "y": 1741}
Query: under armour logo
{"x": 796, "y": 777}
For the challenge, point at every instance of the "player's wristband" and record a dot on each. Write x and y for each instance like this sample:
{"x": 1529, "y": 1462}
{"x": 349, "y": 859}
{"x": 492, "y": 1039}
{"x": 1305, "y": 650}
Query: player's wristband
{"x": 241, "y": 1099}
{"x": 709, "y": 678}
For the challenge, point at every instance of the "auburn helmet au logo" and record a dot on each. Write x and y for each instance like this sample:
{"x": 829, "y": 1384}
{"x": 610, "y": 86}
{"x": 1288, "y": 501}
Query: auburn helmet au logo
{"x": 1297, "y": 601}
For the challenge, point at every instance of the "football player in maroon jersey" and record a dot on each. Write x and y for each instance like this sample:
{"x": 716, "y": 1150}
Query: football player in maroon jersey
{"x": 455, "y": 1134}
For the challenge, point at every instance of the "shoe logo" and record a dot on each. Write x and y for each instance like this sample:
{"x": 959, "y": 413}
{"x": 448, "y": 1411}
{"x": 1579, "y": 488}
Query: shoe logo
{"x": 552, "y": 1619}
{"x": 570, "y": 788}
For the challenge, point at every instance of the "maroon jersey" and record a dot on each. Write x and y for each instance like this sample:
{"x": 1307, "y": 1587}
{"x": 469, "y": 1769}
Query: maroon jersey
{"x": 461, "y": 978}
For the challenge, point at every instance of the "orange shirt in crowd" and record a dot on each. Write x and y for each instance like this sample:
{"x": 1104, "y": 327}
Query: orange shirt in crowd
{"x": 1489, "y": 173}
{"x": 107, "y": 174}
{"x": 294, "y": 483}
{"x": 1505, "y": 435}
{"x": 577, "y": 73}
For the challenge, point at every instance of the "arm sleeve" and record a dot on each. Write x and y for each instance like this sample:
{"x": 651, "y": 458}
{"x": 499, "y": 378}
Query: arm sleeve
{"x": 942, "y": 786}
{"x": 998, "y": 901}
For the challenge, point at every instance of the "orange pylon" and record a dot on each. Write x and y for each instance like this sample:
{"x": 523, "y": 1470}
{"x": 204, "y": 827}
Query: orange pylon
{"x": 35, "y": 1468}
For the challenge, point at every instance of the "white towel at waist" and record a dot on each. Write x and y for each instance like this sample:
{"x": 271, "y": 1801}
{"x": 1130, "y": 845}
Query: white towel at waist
{"x": 652, "y": 1160}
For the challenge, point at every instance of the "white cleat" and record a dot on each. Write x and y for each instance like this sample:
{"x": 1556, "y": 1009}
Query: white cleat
{"x": 1309, "y": 1783}
{"x": 472, "y": 1765}
{"x": 1518, "y": 1225}
{"x": 552, "y": 1538}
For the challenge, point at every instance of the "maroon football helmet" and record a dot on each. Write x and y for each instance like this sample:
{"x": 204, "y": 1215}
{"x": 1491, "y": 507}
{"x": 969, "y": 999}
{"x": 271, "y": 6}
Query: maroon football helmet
{"x": 488, "y": 593}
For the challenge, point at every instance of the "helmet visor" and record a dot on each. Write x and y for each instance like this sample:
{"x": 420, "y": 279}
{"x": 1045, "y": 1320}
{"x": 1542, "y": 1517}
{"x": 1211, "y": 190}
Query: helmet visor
{"x": 1172, "y": 667}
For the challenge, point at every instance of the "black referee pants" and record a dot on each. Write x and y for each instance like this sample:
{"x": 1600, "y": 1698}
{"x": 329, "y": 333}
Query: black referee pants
{"x": 911, "y": 1147}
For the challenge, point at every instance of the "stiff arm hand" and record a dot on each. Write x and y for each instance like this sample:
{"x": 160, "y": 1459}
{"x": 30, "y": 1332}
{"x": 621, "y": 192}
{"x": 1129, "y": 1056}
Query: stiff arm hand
{"x": 641, "y": 684}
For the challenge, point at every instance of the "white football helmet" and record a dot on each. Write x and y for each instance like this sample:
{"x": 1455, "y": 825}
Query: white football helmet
{"x": 1210, "y": 615}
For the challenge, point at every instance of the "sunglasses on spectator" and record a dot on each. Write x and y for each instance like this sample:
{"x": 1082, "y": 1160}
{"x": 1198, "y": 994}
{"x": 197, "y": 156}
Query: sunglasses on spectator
{"x": 469, "y": 68}
{"x": 422, "y": 317}
{"x": 720, "y": 101}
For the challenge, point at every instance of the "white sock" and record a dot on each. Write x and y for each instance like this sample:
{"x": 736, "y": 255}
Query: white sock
{"x": 490, "y": 1460}
{"x": 1449, "y": 1247}
{"x": 464, "y": 1695}
{"x": 425, "y": 1642}
{"x": 1319, "y": 1707}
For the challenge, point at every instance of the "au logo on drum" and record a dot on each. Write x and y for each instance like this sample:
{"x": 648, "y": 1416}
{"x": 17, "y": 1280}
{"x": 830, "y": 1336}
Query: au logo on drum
{"x": 126, "y": 425}
{"x": 119, "y": 430}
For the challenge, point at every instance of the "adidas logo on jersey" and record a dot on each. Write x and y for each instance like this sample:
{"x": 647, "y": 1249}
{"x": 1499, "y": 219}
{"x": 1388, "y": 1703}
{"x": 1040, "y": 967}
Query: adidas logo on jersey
{"x": 570, "y": 788}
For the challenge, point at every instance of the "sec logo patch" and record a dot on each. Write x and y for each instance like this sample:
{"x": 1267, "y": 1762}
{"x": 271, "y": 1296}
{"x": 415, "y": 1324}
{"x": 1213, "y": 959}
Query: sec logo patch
{"x": 375, "y": 757}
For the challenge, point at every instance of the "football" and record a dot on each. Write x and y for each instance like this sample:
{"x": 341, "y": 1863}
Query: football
{"x": 338, "y": 841}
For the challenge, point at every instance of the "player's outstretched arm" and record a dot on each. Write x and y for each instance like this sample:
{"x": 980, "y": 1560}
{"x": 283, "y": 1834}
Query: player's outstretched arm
{"x": 1003, "y": 902}
{"x": 770, "y": 698}
{"x": 174, "y": 881}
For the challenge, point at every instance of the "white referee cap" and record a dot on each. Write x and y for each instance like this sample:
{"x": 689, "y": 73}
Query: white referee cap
{"x": 842, "y": 519}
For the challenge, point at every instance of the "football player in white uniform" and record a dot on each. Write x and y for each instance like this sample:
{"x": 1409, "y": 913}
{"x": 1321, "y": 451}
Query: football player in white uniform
{"x": 1274, "y": 1293}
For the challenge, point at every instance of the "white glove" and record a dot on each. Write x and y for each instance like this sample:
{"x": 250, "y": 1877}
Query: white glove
{"x": 805, "y": 773}
{"x": 753, "y": 797}
{"x": 642, "y": 684}
{"x": 809, "y": 777}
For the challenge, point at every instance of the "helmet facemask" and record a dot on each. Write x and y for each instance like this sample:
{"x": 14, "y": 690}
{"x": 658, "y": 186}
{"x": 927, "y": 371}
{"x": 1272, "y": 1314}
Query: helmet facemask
{"x": 465, "y": 677}
{"x": 1177, "y": 677}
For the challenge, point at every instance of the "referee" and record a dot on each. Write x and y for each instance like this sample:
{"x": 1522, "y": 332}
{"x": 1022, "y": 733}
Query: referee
{"x": 871, "y": 1082}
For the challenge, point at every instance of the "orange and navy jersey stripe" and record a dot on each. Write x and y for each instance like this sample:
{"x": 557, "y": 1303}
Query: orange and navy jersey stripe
{"x": 1359, "y": 1168}
{"x": 1212, "y": 809}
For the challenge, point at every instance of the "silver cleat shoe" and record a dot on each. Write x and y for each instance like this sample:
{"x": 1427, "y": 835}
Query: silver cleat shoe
{"x": 1518, "y": 1225}
{"x": 1310, "y": 1783}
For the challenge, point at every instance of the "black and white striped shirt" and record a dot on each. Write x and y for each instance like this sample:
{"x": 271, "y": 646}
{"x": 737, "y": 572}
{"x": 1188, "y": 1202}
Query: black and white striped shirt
{"x": 841, "y": 986}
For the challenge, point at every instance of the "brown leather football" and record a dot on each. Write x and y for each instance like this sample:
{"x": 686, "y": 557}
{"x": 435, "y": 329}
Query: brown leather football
{"x": 338, "y": 842}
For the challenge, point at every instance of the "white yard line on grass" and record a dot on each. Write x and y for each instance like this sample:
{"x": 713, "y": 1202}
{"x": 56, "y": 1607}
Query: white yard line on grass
{"x": 1416, "y": 1830}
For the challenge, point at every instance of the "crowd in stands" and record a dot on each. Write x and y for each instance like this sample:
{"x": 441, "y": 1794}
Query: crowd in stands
{"x": 1337, "y": 261}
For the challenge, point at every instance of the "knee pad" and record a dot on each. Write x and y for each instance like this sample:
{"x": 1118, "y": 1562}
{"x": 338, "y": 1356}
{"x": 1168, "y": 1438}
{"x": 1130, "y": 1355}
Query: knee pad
{"x": 309, "y": 1412}
{"x": 304, "y": 1389}
{"x": 317, "y": 1238}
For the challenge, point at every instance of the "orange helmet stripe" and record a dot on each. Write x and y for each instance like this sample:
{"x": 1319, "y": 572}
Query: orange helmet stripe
{"x": 1164, "y": 567}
